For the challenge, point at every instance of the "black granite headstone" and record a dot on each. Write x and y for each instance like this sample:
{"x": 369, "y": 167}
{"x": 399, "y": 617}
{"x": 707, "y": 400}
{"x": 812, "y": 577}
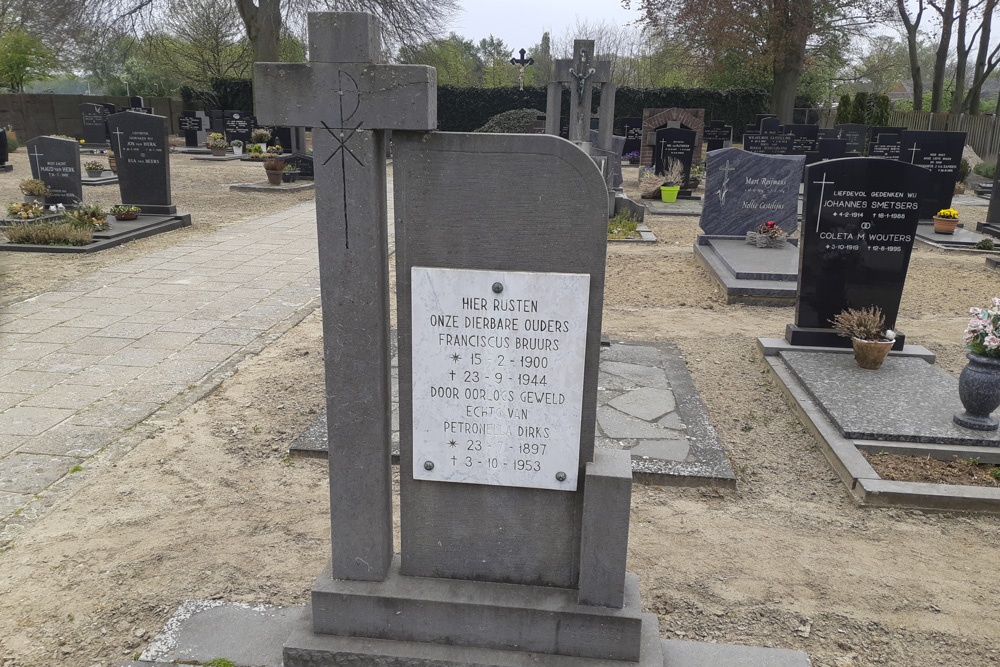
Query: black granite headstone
{"x": 828, "y": 133}
{"x": 805, "y": 137}
{"x": 674, "y": 143}
{"x": 768, "y": 144}
{"x": 192, "y": 124}
{"x": 110, "y": 107}
{"x": 302, "y": 162}
{"x": 282, "y": 136}
{"x": 875, "y": 131}
{"x": 858, "y": 227}
{"x": 140, "y": 144}
{"x": 886, "y": 146}
{"x": 57, "y": 162}
{"x": 218, "y": 123}
{"x": 239, "y": 125}
{"x": 832, "y": 149}
{"x": 941, "y": 154}
{"x": 4, "y": 148}
{"x": 630, "y": 128}
{"x": 855, "y": 133}
{"x": 718, "y": 135}
{"x": 95, "y": 124}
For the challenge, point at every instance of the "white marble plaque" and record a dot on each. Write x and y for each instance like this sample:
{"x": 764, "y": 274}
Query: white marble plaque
{"x": 498, "y": 376}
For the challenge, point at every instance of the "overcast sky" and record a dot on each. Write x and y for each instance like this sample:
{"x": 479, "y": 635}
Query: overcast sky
{"x": 520, "y": 23}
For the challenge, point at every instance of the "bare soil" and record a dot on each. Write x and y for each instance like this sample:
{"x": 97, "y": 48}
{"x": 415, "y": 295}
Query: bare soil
{"x": 925, "y": 469}
{"x": 208, "y": 506}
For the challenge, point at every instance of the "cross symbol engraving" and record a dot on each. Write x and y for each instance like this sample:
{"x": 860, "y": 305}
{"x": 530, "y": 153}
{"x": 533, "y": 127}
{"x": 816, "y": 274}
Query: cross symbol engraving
{"x": 522, "y": 63}
{"x": 38, "y": 163}
{"x": 725, "y": 182}
{"x": 913, "y": 152}
{"x": 119, "y": 134}
{"x": 822, "y": 188}
{"x": 351, "y": 98}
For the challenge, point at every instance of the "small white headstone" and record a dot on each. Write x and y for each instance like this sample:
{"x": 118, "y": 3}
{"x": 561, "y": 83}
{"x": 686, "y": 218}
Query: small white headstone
{"x": 498, "y": 360}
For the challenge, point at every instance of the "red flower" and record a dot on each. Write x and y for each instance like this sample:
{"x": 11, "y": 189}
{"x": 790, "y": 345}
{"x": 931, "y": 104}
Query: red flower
{"x": 770, "y": 224}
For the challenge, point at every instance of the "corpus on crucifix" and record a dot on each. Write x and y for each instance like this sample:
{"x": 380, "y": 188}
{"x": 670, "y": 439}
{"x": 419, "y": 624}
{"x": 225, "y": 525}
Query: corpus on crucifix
{"x": 521, "y": 64}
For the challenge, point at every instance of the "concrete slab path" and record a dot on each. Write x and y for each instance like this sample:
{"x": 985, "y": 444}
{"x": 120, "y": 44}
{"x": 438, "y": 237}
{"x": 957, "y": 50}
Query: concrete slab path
{"x": 83, "y": 364}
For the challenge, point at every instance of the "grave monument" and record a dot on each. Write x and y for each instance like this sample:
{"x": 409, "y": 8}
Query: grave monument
{"x": 94, "y": 118}
{"x": 139, "y": 141}
{"x": 4, "y": 152}
{"x": 57, "y": 162}
{"x": 514, "y": 529}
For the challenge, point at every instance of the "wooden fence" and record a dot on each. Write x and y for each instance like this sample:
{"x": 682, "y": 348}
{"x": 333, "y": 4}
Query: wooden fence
{"x": 981, "y": 131}
{"x": 32, "y": 115}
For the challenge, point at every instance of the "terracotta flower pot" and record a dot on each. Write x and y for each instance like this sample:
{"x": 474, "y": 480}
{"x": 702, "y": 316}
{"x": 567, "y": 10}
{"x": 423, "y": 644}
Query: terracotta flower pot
{"x": 945, "y": 225}
{"x": 871, "y": 353}
{"x": 273, "y": 176}
{"x": 218, "y": 152}
{"x": 979, "y": 389}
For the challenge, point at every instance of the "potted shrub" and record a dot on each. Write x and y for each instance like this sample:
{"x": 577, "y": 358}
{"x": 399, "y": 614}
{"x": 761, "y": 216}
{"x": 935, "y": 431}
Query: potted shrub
{"x": 94, "y": 168}
{"x": 274, "y": 166}
{"x": 125, "y": 212}
{"x": 260, "y": 136}
{"x": 217, "y": 144}
{"x": 290, "y": 174}
{"x": 255, "y": 152}
{"x": 673, "y": 174}
{"x": 869, "y": 337}
{"x": 34, "y": 190}
{"x": 945, "y": 221}
{"x": 237, "y": 146}
{"x": 979, "y": 383}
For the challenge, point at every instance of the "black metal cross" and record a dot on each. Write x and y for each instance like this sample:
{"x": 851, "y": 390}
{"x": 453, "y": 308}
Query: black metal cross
{"x": 522, "y": 63}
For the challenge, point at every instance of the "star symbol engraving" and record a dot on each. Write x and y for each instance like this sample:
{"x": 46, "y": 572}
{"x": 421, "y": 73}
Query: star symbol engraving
{"x": 452, "y": 443}
{"x": 455, "y": 358}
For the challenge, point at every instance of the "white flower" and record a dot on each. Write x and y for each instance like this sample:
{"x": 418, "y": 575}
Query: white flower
{"x": 890, "y": 334}
{"x": 978, "y": 312}
{"x": 975, "y": 325}
{"x": 996, "y": 301}
{"x": 992, "y": 342}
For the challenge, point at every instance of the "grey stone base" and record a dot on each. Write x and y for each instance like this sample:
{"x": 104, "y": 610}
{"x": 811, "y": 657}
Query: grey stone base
{"x": 750, "y": 275}
{"x": 6, "y": 167}
{"x": 265, "y": 186}
{"x": 228, "y": 157}
{"x": 907, "y": 406}
{"x": 645, "y": 233}
{"x": 201, "y": 631}
{"x": 108, "y": 177}
{"x": 122, "y": 231}
{"x": 680, "y": 207}
{"x": 192, "y": 150}
{"x": 476, "y": 614}
{"x": 961, "y": 239}
{"x": 992, "y": 263}
{"x": 770, "y": 347}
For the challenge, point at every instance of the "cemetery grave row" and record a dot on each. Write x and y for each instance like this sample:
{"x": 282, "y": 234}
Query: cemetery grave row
{"x": 140, "y": 144}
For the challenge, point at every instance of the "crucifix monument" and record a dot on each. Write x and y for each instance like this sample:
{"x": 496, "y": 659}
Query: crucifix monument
{"x": 521, "y": 64}
{"x": 581, "y": 72}
{"x": 513, "y": 527}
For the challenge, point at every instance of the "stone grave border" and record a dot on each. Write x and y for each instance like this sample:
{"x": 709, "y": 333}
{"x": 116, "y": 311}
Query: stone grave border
{"x": 132, "y": 231}
{"x": 264, "y": 186}
{"x": 750, "y": 291}
{"x": 645, "y": 232}
{"x": 844, "y": 454}
{"x": 966, "y": 238}
{"x": 107, "y": 177}
{"x": 993, "y": 263}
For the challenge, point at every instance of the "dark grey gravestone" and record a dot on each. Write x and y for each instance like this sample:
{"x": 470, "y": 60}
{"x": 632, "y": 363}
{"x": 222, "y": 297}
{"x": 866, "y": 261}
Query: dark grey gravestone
{"x": 139, "y": 141}
{"x": 941, "y": 154}
{"x": 886, "y": 145}
{"x": 530, "y": 541}
{"x": 193, "y": 124}
{"x": 238, "y": 125}
{"x": 94, "y": 118}
{"x": 4, "y": 151}
{"x": 718, "y": 135}
{"x": 855, "y": 133}
{"x": 282, "y": 136}
{"x": 744, "y": 191}
{"x": 630, "y": 128}
{"x": 805, "y": 137}
{"x": 302, "y": 162}
{"x": 217, "y": 122}
{"x": 769, "y": 144}
{"x": 57, "y": 162}
{"x": 858, "y": 227}
{"x": 674, "y": 143}
{"x": 907, "y": 399}
{"x": 770, "y": 125}
{"x": 828, "y": 133}
{"x": 877, "y": 130}
{"x": 831, "y": 149}
{"x": 349, "y": 101}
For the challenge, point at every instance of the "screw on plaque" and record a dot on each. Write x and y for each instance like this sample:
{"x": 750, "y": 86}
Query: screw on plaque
{"x": 428, "y": 465}
{"x": 561, "y": 476}
{"x": 497, "y": 288}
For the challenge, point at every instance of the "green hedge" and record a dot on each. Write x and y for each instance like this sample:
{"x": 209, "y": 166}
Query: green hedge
{"x": 235, "y": 94}
{"x": 465, "y": 109}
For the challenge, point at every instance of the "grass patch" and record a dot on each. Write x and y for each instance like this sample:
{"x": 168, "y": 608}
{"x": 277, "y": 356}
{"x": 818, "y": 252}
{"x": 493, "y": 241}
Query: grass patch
{"x": 623, "y": 226}
{"x": 75, "y": 469}
{"x": 46, "y": 233}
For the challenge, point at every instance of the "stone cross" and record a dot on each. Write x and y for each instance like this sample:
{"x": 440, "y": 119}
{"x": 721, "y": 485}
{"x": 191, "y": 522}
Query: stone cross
{"x": 581, "y": 73}
{"x": 521, "y": 64}
{"x": 350, "y": 100}
{"x": 913, "y": 152}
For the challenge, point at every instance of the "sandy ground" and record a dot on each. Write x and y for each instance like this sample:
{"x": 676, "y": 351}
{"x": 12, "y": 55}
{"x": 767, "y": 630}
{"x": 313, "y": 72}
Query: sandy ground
{"x": 207, "y": 506}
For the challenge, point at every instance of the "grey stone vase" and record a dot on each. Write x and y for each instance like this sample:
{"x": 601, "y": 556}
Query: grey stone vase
{"x": 979, "y": 389}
